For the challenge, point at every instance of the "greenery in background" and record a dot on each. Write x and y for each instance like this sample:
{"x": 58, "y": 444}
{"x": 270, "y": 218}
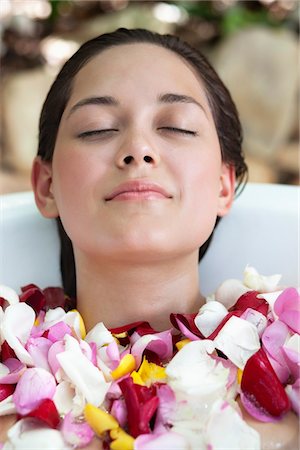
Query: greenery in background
{"x": 239, "y": 15}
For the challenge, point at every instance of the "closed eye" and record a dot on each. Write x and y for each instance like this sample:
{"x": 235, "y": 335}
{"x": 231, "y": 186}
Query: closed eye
{"x": 179, "y": 130}
{"x": 104, "y": 132}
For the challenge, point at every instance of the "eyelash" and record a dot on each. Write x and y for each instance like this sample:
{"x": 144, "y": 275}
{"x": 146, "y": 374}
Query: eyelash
{"x": 180, "y": 130}
{"x": 87, "y": 134}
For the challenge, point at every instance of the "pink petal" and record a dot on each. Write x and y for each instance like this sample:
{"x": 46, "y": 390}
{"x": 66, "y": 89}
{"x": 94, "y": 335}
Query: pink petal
{"x": 287, "y": 308}
{"x": 16, "y": 369}
{"x": 166, "y": 407}
{"x": 281, "y": 370}
{"x": 160, "y": 343}
{"x": 76, "y": 432}
{"x": 112, "y": 351}
{"x": 258, "y": 319}
{"x": 35, "y": 385}
{"x": 292, "y": 358}
{"x": 119, "y": 411}
{"x": 54, "y": 350}
{"x": 58, "y": 331}
{"x": 258, "y": 413}
{"x": 38, "y": 349}
{"x": 274, "y": 338}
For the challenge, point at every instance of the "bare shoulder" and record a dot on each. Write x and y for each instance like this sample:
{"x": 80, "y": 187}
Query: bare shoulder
{"x": 5, "y": 423}
{"x": 282, "y": 435}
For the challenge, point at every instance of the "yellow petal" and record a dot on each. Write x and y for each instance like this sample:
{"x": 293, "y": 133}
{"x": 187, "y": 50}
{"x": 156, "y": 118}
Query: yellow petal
{"x": 182, "y": 343}
{"x": 121, "y": 440}
{"x": 126, "y": 365}
{"x": 137, "y": 378}
{"x": 99, "y": 420}
{"x": 150, "y": 372}
{"x": 81, "y": 324}
{"x": 239, "y": 375}
{"x": 120, "y": 335}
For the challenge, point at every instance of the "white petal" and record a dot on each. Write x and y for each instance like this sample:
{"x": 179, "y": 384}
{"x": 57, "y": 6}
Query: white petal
{"x": 7, "y": 406}
{"x": 230, "y": 291}
{"x": 63, "y": 397}
{"x": 87, "y": 378}
{"x": 9, "y": 294}
{"x": 197, "y": 377}
{"x": 17, "y": 323}
{"x": 30, "y": 434}
{"x": 100, "y": 335}
{"x": 260, "y": 283}
{"x": 227, "y": 430}
{"x": 209, "y": 317}
{"x": 238, "y": 340}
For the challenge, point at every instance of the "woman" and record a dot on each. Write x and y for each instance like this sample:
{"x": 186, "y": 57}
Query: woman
{"x": 139, "y": 155}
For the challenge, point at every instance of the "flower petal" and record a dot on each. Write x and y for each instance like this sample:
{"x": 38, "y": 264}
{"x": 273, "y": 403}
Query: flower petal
{"x": 260, "y": 283}
{"x": 238, "y": 340}
{"x": 88, "y": 379}
{"x": 76, "y": 432}
{"x": 162, "y": 441}
{"x": 17, "y": 323}
{"x": 209, "y": 317}
{"x": 287, "y": 307}
{"x": 30, "y": 434}
{"x": 35, "y": 385}
{"x": 269, "y": 393}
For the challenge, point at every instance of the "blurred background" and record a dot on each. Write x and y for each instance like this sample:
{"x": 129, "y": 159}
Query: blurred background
{"x": 254, "y": 45}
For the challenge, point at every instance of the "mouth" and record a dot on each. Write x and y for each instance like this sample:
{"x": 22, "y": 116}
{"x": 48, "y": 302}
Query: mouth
{"x": 138, "y": 190}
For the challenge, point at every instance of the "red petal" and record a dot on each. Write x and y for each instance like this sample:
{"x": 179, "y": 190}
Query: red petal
{"x": 6, "y": 390}
{"x": 132, "y": 405}
{"x": 250, "y": 300}
{"x": 34, "y": 297}
{"x": 47, "y": 412}
{"x": 141, "y": 403}
{"x": 56, "y": 297}
{"x": 262, "y": 386}
{"x": 130, "y": 328}
{"x": 6, "y": 352}
{"x": 188, "y": 321}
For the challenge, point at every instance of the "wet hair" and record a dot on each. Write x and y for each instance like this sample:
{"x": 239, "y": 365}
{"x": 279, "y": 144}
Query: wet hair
{"x": 222, "y": 107}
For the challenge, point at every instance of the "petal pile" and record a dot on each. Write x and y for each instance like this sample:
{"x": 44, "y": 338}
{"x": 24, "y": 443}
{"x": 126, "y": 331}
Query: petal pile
{"x": 140, "y": 389}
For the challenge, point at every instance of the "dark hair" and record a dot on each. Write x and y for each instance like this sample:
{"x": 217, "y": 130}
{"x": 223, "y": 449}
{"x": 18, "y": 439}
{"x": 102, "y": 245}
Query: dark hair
{"x": 223, "y": 110}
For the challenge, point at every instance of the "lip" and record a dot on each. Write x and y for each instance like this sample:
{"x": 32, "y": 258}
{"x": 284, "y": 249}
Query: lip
{"x": 138, "y": 190}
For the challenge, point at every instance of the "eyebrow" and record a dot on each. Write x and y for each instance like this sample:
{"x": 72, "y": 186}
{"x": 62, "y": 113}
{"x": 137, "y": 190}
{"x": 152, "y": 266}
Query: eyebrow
{"x": 107, "y": 100}
{"x": 179, "y": 98}
{"x": 103, "y": 100}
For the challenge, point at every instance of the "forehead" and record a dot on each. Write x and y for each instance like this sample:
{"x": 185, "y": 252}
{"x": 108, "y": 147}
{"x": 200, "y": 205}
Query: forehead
{"x": 139, "y": 68}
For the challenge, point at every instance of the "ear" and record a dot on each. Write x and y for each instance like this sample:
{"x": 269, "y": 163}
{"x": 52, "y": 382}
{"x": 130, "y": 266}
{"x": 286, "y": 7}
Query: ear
{"x": 41, "y": 179}
{"x": 227, "y": 187}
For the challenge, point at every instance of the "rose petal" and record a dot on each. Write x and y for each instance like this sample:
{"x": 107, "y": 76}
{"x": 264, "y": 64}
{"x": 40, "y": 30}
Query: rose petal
{"x": 227, "y": 430}
{"x": 80, "y": 370}
{"x": 269, "y": 393}
{"x": 9, "y": 294}
{"x": 287, "y": 307}
{"x": 16, "y": 326}
{"x": 35, "y": 385}
{"x": 238, "y": 340}
{"x": 46, "y": 412}
{"x": 76, "y": 432}
{"x": 293, "y": 391}
{"x": 260, "y": 283}
{"x": 209, "y": 317}
{"x": 30, "y": 434}
{"x": 38, "y": 349}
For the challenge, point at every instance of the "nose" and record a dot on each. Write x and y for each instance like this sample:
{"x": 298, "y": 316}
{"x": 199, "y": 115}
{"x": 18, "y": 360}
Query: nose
{"x": 136, "y": 150}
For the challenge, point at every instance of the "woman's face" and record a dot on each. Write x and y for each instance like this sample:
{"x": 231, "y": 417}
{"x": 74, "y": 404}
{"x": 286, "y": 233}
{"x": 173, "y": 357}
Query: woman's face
{"x": 137, "y": 169}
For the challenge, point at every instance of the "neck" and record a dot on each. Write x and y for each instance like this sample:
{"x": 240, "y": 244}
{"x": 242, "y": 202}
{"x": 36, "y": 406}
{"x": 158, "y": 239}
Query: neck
{"x": 120, "y": 294}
